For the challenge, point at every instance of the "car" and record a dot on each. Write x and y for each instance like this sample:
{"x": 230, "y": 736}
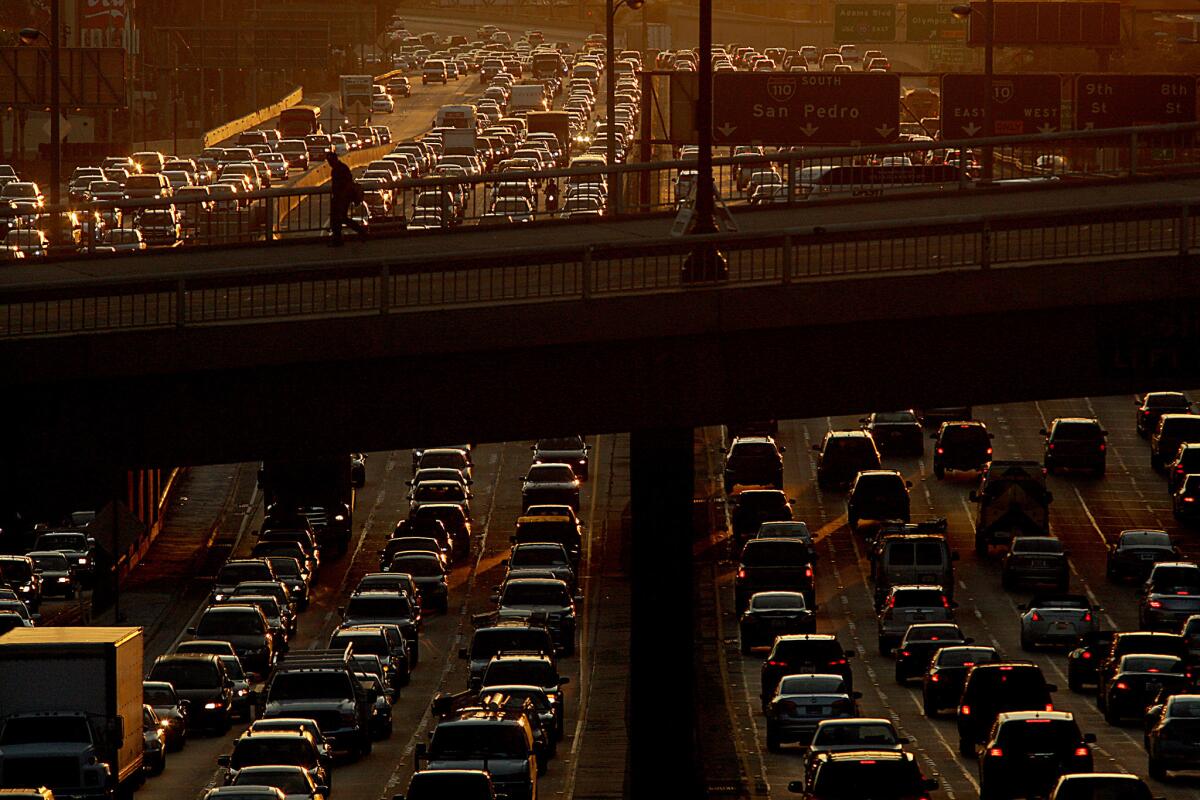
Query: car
{"x": 785, "y": 529}
{"x": 851, "y": 735}
{"x": 994, "y": 688}
{"x": 237, "y": 571}
{"x": 1152, "y": 405}
{"x": 1186, "y": 462}
{"x": 1136, "y": 551}
{"x": 19, "y": 574}
{"x": 452, "y": 457}
{"x": 775, "y": 564}
{"x": 548, "y": 598}
{"x": 433, "y": 491}
{"x": 266, "y": 748}
{"x": 1135, "y": 643}
{"x": 1171, "y": 737}
{"x": 1137, "y": 680}
{"x": 934, "y": 417}
{"x": 376, "y": 607}
{"x": 1169, "y": 596}
{"x": 1185, "y": 501}
{"x": 804, "y": 653}
{"x": 753, "y": 507}
{"x": 909, "y": 604}
{"x": 753, "y": 461}
{"x": 1056, "y": 619}
{"x": 919, "y": 644}
{"x": 295, "y": 782}
{"x": 58, "y": 575}
{"x": 801, "y": 702}
{"x": 550, "y": 483}
{"x": 896, "y": 432}
{"x": 541, "y": 557}
{"x": 436, "y": 544}
{"x": 842, "y": 455}
{"x": 244, "y": 793}
{"x": 453, "y": 517}
{"x": 771, "y": 614}
{"x": 154, "y": 743}
{"x": 1083, "y": 662}
{"x": 1100, "y": 786}
{"x": 171, "y": 710}
{"x": 1170, "y": 431}
{"x": 563, "y": 450}
{"x": 384, "y": 640}
{"x": 431, "y": 576}
{"x": 866, "y": 773}
{"x": 1075, "y": 443}
{"x": 961, "y": 446}
{"x": 529, "y": 669}
{"x": 946, "y": 673}
{"x": 878, "y": 495}
{"x": 201, "y": 680}
{"x": 1028, "y": 751}
{"x": 1036, "y": 560}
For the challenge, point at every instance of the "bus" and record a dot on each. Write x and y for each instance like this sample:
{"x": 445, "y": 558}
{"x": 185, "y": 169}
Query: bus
{"x": 870, "y": 181}
{"x": 461, "y": 116}
{"x": 299, "y": 121}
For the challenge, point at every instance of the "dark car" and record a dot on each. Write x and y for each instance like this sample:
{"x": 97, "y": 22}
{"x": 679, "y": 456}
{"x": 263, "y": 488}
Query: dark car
{"x": 266, "y": 748}
{"x": 1171, "y": 431}
{"x": 550, "y": 483}
{"x": 439, "y": 784}
{"x": 385, "y": 608}
{"x": 920, "y": 642}
{"x": 803, "y": 654}
{"x": 19, "y": 574}
{"x": 753, "y": 461}
{"x": 504, "y": 636}
{"x": 1028, "y": 751}
{"x": 1137, "y": 680}
{"x": 1169, "y": 596}
{"x": 1100, "y": 786}
{"x": 171, "y": 710}
{"x": 1083, "y": 662}
{"x": 896, "y": 432}
{"x": 1136, "y": 552}
{"x": 430, "y": 574}
{"x": 844, "y": 454}
{"x": 1153, "y": 405}
{"x": 402, "y": 544}
{"x": 774, "y": 564}
{"x": 382, "y": 640}
{"x": 246, "y": 628}
{"x": 1075, "y": 443}
{"x": 454, "y": 517}
{"x": 961, "y": 447}
{"x": 802, "y": 702}
{"x": 529, "y": 669}
{"x": 546, "y": 598}
{"x": 771, "y": 614}
{"x": 1173, "y": 735}
{"x": 200, "y": 679}
{"x": 239, "y": 571}
{"x": 563, "y": 450}
{"x": 947, "y": 672}
{"x": 1135, "y": 643}
{"x": 878, "y": 495}
{"x": 1036, "y": 560}
{"x": 1185, "y": 501}
{"x": 934, "y": 417}
{"x": 994, "y": 688}
{"x": 58, "y": 577}
{"x": 752, "y": 507}
{"x": 1186, "y": 462}
{"x": 879, "y": 775}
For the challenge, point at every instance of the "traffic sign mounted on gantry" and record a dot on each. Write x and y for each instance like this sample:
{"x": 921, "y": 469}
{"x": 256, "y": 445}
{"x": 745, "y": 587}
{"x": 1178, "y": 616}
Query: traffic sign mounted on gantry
{"x": 1119, "y": 101}
{"x": 1022, "y": 104}
{"x": 805, "y": 108}
{"x": 864, "y": 22}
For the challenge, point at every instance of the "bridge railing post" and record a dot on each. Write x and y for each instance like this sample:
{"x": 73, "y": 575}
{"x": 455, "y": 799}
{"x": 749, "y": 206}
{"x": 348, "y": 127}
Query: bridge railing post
{"x": 585, "y": 273}
{"x": 787, "y": 260}
{"x": 385, "y": 288}
{"x": 269, "y": 220}
{"x": 1185, "y": 230}
{"x": 1133, "y": 153}
{"x": 180, "y": 303}
{"x": 985, "y": 246}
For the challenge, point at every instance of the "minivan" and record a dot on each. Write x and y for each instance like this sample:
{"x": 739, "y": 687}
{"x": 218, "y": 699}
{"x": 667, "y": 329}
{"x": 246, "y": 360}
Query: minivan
{"x": 907, "y": 559}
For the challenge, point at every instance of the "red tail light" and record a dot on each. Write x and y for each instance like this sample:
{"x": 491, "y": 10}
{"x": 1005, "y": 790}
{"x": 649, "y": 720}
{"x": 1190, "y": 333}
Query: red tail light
{"x": 1155, "y": 604}
{"x": 1051, "y": 447}
{"x": 945, "y": 601}
{"x": 1122, "y": 685}
{"x": 1049, "y": 706}
{"x": 1082, "y": 752}
{"x": 774, "y": 663}
{"x": 989, "y": 451}
{"x": 941, "y": 451}
{"x": 1183, "y": 593}
{"x": 1087, "y": 617}
{"x": 867, "y": 761}
{"x": 1189, "y": 499}
{"x": 1145, "y": 412}
{"x": 1152, "y": 669}
{"x": 968, "y": 663}
{"x": 905, "y": 653}
{"x": 934, "y": 678}
{"x": 838, "y": 662}
{"x": 1036, "y": 617}
{"x": 892, "y": 602}
{"x": 1102, "y": 447}
{"x": 808, "y": 572}
{"x": 1086, "y": 654}
{"x": 964, "y": 710}
{"x": 997, "y": 752}
{"x": 1179, "y": 470}
{"x": 741, "y": 572}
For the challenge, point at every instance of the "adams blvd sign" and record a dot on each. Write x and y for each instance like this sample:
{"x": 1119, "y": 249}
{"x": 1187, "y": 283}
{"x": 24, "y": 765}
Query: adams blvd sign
{"x": 805, "y": 108}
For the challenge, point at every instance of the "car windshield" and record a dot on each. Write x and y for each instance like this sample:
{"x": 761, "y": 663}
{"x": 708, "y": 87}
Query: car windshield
{"x": 537, "y": 557}
{"x": 1036, "y": 545}
{"x": 220, "y": 622}
{"x": 37, "y": 730}
{"x": 965, "y": 656}
{"x": 440, "y": 459}
{"x": 784, "y": 529}
{"x": 858, "y": 733}
{"x": 893, "y": 417}
{"x": 15, "y": 570}
{"x": 1176, "y": 579}
{"x": 533, "y": 594}
{"x": 486, "y": 643}
{"x": 1076, "y": 430}
{"x": 754, "y": 451}
{"x": 1166, "y": 400}
{"x": 550, "y": 473}
{"x": 1145, "y": 663}
{"x": 289, "y": 781}
{"x": 189, "y": 674}
{"x": 376, "y": 607}
{"x": 265, "y": 752}
{"x": 310, "y": 686}
{"x": 1145, "y": 539}
{"x": 932, "y": 633}
{"x": 444, "y": 784}
{"x": 418, "y": 566}
{"x": 964, "y": 435}
{"x": 775, "y": 552}
{"x": 567, "y": 443}
{"x": 62, "y": 541}
{"x": 1016, "y": 681}
{"x": 286, "y": 566}
{"x": 50, "y": 561}
{"x": 865, "y": 778}
{"x": 778, "y": 601}
{"x": 927, "y": 598}
{"x": 1087, "y": 788}
{"x": 158, "y": 696}
{"x": 532, "y": 673}
{"x": 439, "y": 492}
{"x": 1039, "y": 735}
{"x": 465, "y": 740}
{"x": 812, "y": 684}
{"x": 233, "y": 574}
{"x": 233, "y": 666}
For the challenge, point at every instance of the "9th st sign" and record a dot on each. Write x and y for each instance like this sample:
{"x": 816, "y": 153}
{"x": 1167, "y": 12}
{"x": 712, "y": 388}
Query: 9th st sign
{"x": 805, "y": 108}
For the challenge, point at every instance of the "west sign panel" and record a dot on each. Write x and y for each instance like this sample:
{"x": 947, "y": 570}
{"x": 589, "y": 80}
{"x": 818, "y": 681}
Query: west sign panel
{"x": 805, "y": 108}
{"x": 1021, "y": 104}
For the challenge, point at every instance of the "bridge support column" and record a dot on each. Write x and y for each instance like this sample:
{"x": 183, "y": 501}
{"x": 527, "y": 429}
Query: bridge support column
{"x": 661, "y": 711}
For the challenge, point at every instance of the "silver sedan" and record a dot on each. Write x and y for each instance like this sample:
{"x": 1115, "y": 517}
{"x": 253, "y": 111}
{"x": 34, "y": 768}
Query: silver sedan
{"x": 1056, "y": 619}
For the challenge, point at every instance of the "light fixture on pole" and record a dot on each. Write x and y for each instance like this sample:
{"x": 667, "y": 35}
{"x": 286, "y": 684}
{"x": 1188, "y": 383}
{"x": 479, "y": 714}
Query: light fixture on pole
{"x": 29, "y": 36}
{"x": 610, "y": 99}
{"x": 989, "y": 121}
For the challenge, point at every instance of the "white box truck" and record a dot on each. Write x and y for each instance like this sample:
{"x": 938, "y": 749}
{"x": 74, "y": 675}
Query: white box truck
{"x": 71, "y": 711}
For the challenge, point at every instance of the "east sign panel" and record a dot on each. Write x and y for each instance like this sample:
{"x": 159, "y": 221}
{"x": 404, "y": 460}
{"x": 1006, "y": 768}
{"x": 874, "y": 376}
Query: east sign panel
{"x": 1021, "y": 104}
{"x": 805, "y": 108}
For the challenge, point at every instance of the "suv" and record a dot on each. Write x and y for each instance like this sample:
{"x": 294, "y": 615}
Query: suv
{"x": 1171, "y": 431}
{"x": 1137, "y": 682}
{"x": 1075, "y": 443}
{"x": 844, "y": 454}
{"x": 1027, "y": 752}
{"x": 919, "y": 645}
{"x": 522, "y": 598}
{"x": 801, "y": 654}
{"x": 202, "y": 681}
{"x": 1186, "y": 462}
{"x": 896, "y": 432}
{"x": 754, "y": 461}
{"x": 1036, "y": 560}
{"x": 246, "y": 628}
{"x": 503, "y": 636}
{"x": 1135, "y": 642}
{"x": 879, "y": 495}
{"x": 909, "y": 604}
{"x": 563, "y": 450}
{"x": 994, "y": 688}
{"x": 499, "y": 741}
{"x": 961, "y": 447}
{"x": 321, "y": 685}
{"x": 1169, "y": 596}
{"x": 20, "y": 574}
{"x": 866, "y": 773}
{"x": 947, "y": 672}
{"x": 775, "y": 564}
{"x": 1153, "y": 405}
{"x": 753, "y": 507}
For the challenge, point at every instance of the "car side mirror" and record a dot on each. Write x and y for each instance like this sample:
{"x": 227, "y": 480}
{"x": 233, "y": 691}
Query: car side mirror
{"x": 191, "y": 631}
{"x": 533, "y": 448}
{"x": 782, "y": 449}
{"x": 1090, "y": 738}
{"x": 849, "y": 653}
{"x": 223, "y": 760}
{"x": 796, "y": 787}
{"x": 973, "y": 496}
{"x": 421, "y": 750}
{"x": 1051, "y": 687}
{"x": 1049, "y": 497}
{"x": 578, "y": 598}
{"x": 185, "y": 704}
{"x": 91, "y": 542}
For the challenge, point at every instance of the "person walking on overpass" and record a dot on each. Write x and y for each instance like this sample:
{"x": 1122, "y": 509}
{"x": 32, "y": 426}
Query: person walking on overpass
{"x": 551, "y": 196}
{"x": 344, "y": 190}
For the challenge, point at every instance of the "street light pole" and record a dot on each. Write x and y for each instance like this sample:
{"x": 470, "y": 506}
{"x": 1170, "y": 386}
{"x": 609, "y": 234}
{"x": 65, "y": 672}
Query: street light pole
{"x": 703, "y": 220}
{"x": 989, "y": 42}
{"x": 610, "y": 99}
{"x": 55, "y": 111}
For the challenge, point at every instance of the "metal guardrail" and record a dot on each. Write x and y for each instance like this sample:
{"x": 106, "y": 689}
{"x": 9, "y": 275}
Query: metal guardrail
{"x": 397, "y": 285}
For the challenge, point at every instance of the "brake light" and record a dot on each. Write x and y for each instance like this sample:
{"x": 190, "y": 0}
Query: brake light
{"x": 773, "y": 663}
{"x": 1102, "y": 447}
{"x": 837, "y": 662}
{"x": 892, "y": 601}
{"x": 1006, "y": 668}
{"x": 741, "y": 572}
{"x": 965, "y": 710}
{"x": 1049, "y": 706}
{"x": 905, "y": 653}
{"x": 945, "y": 602}
{"x": 1086, "y": 654}
{"x": 1152, "y": 669}
{"x": 1189, "y": 499}
{"x": 1036, "y": 617}
{"x": 1155, "y": 603}
{"x": 1145, "y": 412}
{"x": 934, "y": 678}
{"x": 867, "y": 761}
{"x": 989, "y": 451}
{"x": 1087, "y": 617}
{"x": 996, "y": 752}
{"x": 968, "y": 663}
{"x": 1082, "y": 752}
{"x": 1035, "y": 721}
{"x": 1122, "y": 685}
{"x": 808, "y": 572}
{"x": 941, "y": 451}
{"x": 1051, "y": 446}
{"x": 1179, "y": 470}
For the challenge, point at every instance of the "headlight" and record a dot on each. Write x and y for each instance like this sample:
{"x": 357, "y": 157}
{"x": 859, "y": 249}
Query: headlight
{"x": 64, "y": 580}
{"x": 83, "y": 560}
{"x": 339, "y": 518}
{"x": 213, "y": 706}
{"x": 243, "y": 692}
{"x": 219, "y": 596}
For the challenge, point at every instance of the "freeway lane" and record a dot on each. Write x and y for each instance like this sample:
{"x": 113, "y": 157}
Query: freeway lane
{"x": 1086, "y": 513}
{"x": 496, "y": 505}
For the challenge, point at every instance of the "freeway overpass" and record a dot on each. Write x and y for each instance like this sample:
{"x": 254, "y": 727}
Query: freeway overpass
{"x": 905, "y": 304}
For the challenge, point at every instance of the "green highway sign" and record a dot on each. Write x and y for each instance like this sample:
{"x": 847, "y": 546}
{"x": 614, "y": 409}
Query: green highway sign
{"x": 864, "y": 22}
{"x": 933, "y": 23}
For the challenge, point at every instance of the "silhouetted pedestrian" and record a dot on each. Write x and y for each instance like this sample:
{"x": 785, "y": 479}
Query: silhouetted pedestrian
{"x": 343, "y": 191}
{"x": 552, "y": 196}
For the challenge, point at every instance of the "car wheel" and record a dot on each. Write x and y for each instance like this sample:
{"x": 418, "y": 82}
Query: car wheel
{"x": 966, "y": 748}
{"x": 1026, "y": 643}
{"x": 1073, "y": 682}
{"x": 939, "y": 471}
{"x": 1157, "y": 771}
{"x": 928, "y": 707}
{"x": 899, "y": 675}
{"x": 773, "y": 743}
{"x": 745, "y": 646}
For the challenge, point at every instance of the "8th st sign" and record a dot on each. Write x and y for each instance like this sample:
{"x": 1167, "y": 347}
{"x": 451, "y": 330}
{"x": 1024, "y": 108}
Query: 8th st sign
{"x": 805, "y": 108}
